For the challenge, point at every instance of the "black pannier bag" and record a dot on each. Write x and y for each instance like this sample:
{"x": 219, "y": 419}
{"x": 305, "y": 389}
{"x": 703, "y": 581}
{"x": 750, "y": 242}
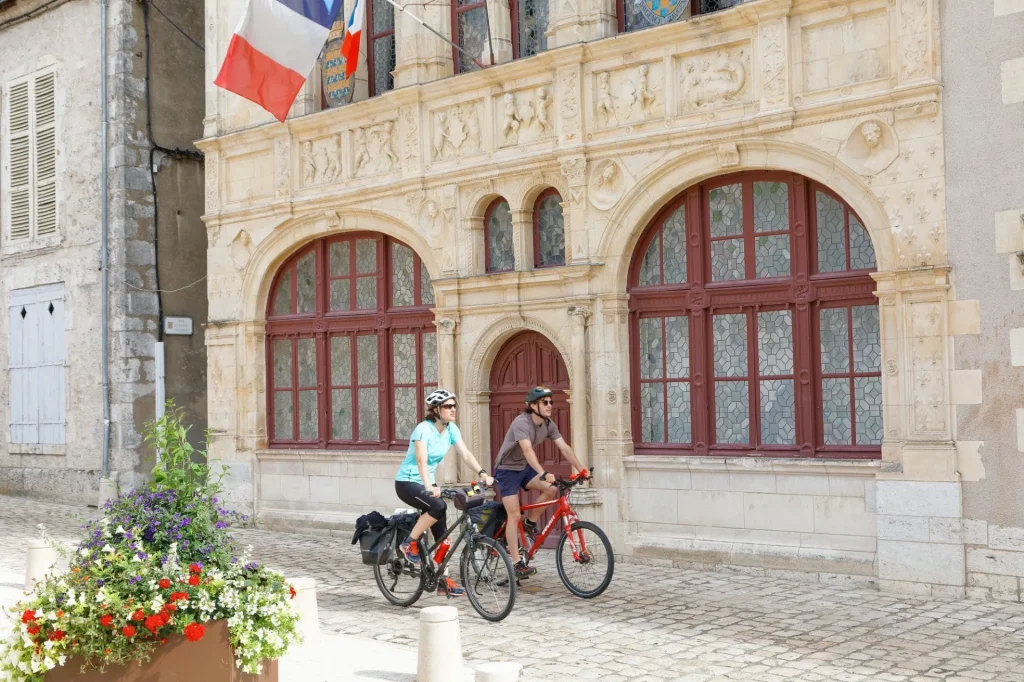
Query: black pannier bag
{"x": 379, "y": 537}
{"x": 488, "y": 517}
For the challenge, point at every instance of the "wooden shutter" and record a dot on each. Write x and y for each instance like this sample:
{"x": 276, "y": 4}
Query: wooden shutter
{"x": 38, "y": 394}
{"x": 19, "y": 213}
{"x": 45, "y": 180}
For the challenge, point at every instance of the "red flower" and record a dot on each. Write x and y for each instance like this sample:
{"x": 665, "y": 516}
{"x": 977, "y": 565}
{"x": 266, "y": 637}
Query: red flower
{"x": 169, "y": 608}
{"x": 139, "y": 615}
{"x": 33, "y": 630}
{"x": 60, "y": 614}
{"x": 164, "y": 583}
{"x": 57, "y": 635}
{"x": 128, "y": 631}
{"x": 291, "y": 591}
{"x": 175, "y": 596}
{"x": 194, "y": 632}
{"x": 195, "y": 568}
{"x": 163, "y": 641}
{"x": 28, "y": 616}
{"x": 106, "y": 620}
{"x": 193, "y": 580}
{"x": 154, "y": 623}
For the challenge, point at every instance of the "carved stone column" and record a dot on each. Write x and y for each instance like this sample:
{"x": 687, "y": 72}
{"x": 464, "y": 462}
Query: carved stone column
{"x": 579, "y": 381}
{"x": 575, "y": 212}
{"x": 500, "y": 18}
{"x": 420, "y": 56}
{"x": 447, "y": 322}
{"x": 773, "y": 40}
{"x": 915, "y": 41}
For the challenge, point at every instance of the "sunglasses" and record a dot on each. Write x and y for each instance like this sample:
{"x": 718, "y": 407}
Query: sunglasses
{"x": 548, "y": 401}
{"x": 449, "y": 406}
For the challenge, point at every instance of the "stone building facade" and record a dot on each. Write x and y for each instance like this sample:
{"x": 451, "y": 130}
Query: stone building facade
{"x": 50, "y": 267}
{"x": 720, "y": 235}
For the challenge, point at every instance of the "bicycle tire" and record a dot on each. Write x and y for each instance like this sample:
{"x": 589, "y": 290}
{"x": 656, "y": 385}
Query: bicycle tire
{"x": 497, "y": 557}
{"x": 579, "y": 592}
{"x": 397, "y": 562}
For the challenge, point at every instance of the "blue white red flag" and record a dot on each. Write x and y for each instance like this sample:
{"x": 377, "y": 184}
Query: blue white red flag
{"x": 350, "y": 45}
{"x": 273, "y": 49}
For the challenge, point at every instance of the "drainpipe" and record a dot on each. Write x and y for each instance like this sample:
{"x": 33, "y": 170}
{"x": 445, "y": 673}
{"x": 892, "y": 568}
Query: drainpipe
{"x": 104, "y": 228}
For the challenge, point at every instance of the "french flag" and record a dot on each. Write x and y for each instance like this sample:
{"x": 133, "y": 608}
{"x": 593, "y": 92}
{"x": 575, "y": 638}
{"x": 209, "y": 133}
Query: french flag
{"x": 350, "y": 45}
{"x": 273, "y": 49}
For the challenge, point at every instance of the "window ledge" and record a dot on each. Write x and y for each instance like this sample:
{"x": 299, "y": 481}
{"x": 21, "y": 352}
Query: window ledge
{"x": 783, "y": 465}
{"x": 32, "y": 247}
{"x": 353, "y": 456}
{"x": 36, "y": 449}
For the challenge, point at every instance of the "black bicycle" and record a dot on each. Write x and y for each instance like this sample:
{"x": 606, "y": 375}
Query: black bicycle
{"x": 484, "y": 566}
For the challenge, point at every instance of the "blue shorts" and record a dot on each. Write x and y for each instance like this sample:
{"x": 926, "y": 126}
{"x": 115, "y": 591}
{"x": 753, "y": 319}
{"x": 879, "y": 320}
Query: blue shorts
{"x": 510, "y": 482}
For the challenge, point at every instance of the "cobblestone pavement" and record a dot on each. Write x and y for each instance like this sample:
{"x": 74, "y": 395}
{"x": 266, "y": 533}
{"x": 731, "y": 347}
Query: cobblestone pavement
{"x": 653, "y": 624}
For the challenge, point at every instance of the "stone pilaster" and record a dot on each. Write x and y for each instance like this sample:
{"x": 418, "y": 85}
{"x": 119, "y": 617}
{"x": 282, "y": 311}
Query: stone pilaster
{"x": 575, "y": 210}
{"x": 421, "y": 56}
{"x": 579, "y": 381}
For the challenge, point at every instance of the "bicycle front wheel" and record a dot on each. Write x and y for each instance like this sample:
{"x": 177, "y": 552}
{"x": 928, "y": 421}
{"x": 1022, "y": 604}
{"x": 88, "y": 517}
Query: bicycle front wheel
{"x": 488, "y": 578}
{"x": 399, "y": 582}
{"x": 585, "y": 560}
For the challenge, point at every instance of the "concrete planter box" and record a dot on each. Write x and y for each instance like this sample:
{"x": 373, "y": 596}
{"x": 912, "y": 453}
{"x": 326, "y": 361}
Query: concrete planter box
{"x": 208, "y": 660}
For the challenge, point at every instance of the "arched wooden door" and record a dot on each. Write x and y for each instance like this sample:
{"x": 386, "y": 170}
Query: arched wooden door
{"x": 527, "y": 360}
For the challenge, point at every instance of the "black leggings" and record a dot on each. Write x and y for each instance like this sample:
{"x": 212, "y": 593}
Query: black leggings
{"x": 418, "y": 497}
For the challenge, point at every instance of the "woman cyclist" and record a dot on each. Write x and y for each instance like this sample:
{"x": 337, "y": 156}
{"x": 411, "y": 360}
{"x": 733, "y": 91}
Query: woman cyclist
{"x": 429, "y": 443}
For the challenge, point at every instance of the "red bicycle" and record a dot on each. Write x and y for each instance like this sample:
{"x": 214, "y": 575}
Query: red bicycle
{"x": 587, "y": 568}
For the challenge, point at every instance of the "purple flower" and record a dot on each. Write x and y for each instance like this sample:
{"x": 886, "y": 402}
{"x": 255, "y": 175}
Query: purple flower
{"x": 220, "y": 524}
{"x": 99, "y": 583}
{"x": 135, "y": 579}
{"x": 143, "y": 556}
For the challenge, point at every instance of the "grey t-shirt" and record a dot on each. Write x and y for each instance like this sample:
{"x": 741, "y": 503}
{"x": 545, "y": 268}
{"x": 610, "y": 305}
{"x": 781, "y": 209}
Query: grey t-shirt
{"x": 511, "y": 454}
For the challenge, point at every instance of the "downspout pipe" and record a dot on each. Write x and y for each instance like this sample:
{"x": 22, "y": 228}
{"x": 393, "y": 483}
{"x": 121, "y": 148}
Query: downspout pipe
{"x": 104, "y": 229}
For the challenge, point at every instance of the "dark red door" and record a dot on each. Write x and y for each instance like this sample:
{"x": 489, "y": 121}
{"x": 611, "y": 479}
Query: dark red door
{"x": 527, "y": 360}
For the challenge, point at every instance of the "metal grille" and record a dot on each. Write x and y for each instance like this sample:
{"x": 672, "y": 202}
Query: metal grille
{"x": 716, "y": 5}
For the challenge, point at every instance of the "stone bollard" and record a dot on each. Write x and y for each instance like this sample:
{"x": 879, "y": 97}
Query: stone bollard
{"x": 305, "y": 605}
{"x": 439, "y": 654}
{"x": 41, "y": 558}
{"x": 499, "y": 672}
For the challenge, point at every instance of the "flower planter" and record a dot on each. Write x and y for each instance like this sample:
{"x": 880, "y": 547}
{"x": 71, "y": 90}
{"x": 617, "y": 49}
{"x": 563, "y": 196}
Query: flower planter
{"x": 211, "y": 659}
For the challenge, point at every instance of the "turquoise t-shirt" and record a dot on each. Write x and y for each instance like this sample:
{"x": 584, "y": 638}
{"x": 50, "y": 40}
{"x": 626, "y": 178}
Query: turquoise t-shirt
{"x": 438, "y": 444}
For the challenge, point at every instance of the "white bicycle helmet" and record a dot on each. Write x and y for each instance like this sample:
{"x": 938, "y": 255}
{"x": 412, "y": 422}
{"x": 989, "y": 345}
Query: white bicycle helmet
{"x": 438, "y": 396}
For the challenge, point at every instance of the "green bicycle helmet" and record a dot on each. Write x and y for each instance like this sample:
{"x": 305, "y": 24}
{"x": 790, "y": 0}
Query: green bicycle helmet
{"x": 536, "y": 393}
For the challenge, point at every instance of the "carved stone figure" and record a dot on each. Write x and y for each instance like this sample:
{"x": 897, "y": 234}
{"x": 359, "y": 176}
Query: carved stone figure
{"x": 440, "y": 134}
{"x": 605, "y": 99}
{"x": 872, "y": 133}
{"x": 643, "y": 93}
{"x": 716, "y": 80}
{"x": 512, "y": 121}
{"x": 872, "y": 147}
{"x": 308, "y": 164}
{"x": 456, "y": 132}
{"x": 540, "y": 109}
{"x": 387, "y": 145}
{"x": 362, "y": 153}
{"x": 333, "y": 152}
{"x": 607, "y": 183}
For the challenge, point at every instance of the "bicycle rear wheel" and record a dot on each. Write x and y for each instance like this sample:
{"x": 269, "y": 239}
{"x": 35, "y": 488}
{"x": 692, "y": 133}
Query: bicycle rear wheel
{"x": 399, "y": 582}
{"x": 488, "y": 578}
{"x": 591, "y": 573}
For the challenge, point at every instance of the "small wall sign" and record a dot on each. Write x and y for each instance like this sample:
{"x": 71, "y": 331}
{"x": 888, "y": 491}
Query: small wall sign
{"x": 178, "y": 326}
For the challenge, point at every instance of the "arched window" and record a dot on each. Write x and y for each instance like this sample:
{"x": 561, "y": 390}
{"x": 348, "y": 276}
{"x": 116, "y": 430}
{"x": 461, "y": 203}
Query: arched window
{"x": 754, "y": 327}
{"x": 351, "y": 348}
{"x": 548, "y": 230}
{"x": 529, "y": 27}
{"x": 500, "y": 254}
{"x": 647, "y": 13}
{"x": 470, "y": 29}
{"x": 380, "y": 46}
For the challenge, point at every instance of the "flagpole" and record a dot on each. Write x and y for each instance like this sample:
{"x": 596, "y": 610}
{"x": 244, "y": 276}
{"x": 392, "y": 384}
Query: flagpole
{"x": 400, "y": 8}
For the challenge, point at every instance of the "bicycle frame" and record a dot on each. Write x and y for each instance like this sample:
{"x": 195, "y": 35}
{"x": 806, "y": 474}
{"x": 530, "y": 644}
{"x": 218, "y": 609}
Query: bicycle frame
{"x": 435, "y": 571}
{"x": 563, "y": 511}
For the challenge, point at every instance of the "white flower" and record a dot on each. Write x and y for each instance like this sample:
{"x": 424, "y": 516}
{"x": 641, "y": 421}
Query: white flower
{"x": 108, "y": 549}
{"x": 120, "y": 530}
{"x": 61, "y": 659}
{"x": 48, "y": 644}
{"x": 83, "y": 552}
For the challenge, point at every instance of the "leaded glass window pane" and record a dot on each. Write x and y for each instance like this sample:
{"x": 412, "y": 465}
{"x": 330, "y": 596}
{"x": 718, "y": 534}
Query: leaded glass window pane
{"x": 775, "y": 343}
{"x": 366, "y": 293}
{"x": 835, "y": 341}
{"x": 426, "y": 288}
{"x": 674, "y": 236}
{"x": 430, "y": 358}
{"x": 307, "y": 362}
{"x": 366, "y": 256}
{"x": 727, "y": 260}
{"x": 707, "y": 6}
{"x": 831, "y": 236}
{"x": 868, "y": 409}
{"x": 340, "y": 257}
{"x": 383, "y": 63}
{"x": 652, "y": 413}
{"x": 366, "y": 359}
{"x": 650, "y": 348}
{"x": 835, "y": 403}
{"x": 533, "y": 23}
{"x": 642, "y": 14}
{"x": 369, "y": 414}
{"x": 405, "y": 411}
{"x": 650, "y": 268}
{"x": 309, "y": 422}
{"x": 730, "y": 345}
{"x": 306, "y": 278}
{"x": 341, "y": 294}
{"x": 283, "y": 301}
{"x": 401, "y": 275}
{"x": 771, "y": 207}
{"x": 284, "y": 415}
{"x": 726, "y": 210}
{"x": 472, "y": 36}
{"x": 282, "y": 364}
{"x": 677, "y": 347}
{"x": 499, "y": 238}
{"x": 862, "y": 253}
{"x": 778, "y": 412}
{"x": 404, "y": 358}
{"x": 341, "y": 361}
{"x": 772, "y": 258}
{"x": 341, "y": 411}
{"x": 383, "y": 16}
{"x": 551, "y": 230}
{"x": 679, "y": 430}
{"x": 867, "y": 343}
{"x": 732, "y": 412}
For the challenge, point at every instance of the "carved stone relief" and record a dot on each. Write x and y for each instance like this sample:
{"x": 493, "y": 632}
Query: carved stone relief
{"x": 913, "y": 42}
{"x": 607, "y": 184}
{"x": 442, "y": 206}
{"x": 630, "y": 95}
{"x": 773, "y": 62}
{"x": 714, "y": 79}
{"x": 212, "y": 186}
{"x": 241, "y": 250}
{"x": 374, "y": 148}
{"x": 321, "y": 160}
{"x": 728, "y": 155}
{"x": 574, "y": 171}
{"x": 411, "y": 137}
{"x": 524, "y": 117}
{"x": 282, "y": 154}
{"x": 872, "y": 147}
{"x": 456, "y": 132}
{"x": 568, "y": 94}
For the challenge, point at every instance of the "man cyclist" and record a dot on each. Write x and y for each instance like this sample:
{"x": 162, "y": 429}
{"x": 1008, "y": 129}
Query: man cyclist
{"x": 518, "y": 468}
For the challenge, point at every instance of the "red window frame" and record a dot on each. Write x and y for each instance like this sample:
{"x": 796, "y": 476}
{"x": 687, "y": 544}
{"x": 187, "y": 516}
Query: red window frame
{"x": 551, "y": 191}
{"x": 457, "y": 57}
{"x": 371, "y": 39}
{"x": 382, "y": 321}
{"x": 487, "y": 236}
{"x": 695, "y": 9}
{"x": 804, "y": 292}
